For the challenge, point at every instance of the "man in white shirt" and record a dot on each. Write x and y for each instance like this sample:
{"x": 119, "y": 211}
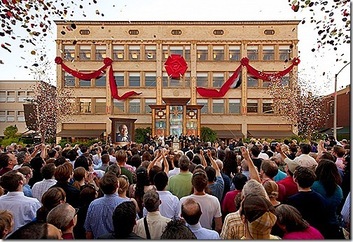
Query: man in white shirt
{"x": 39, "y": 188}
{"x": 23, "y": 208}
{"x": 191, "y": 212}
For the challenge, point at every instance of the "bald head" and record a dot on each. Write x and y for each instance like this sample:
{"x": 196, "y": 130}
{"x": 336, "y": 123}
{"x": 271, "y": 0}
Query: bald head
{"x": 191, "y": 211}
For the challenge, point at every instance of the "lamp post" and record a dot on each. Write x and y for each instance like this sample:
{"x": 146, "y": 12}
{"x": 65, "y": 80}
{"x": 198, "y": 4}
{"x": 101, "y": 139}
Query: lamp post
{"x": 335, "y": 103}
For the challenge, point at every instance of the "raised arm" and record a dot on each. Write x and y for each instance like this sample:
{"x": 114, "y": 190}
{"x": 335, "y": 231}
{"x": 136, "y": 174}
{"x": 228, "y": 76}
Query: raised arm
{"x": 253, "y": 173}
{"x": 165, "y": 162}
{"x": 202, "y": 158}
{"x": 213, "y": 163}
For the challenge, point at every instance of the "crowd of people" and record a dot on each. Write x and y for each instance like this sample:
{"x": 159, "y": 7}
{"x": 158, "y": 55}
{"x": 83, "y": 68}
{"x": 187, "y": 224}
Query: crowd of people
{"x": 204, "y": 190}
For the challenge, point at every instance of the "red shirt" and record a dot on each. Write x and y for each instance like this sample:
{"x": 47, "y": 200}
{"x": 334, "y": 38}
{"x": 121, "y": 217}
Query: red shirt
{"x": 228, "y": 204}
{"x": 290, "y": 185}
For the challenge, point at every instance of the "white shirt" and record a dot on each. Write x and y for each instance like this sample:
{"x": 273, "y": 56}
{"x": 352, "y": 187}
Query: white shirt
{"x": 169, "y": 206}
{"x": 210, "y": 208}
{"x": 156, "y": 225}
{"x": 23, "y": 208}
{"x": 202, "y": 233}
{"x": 39, "y": 188}
{"x": 173, "y": 172}
{"x": 264, "y": 156}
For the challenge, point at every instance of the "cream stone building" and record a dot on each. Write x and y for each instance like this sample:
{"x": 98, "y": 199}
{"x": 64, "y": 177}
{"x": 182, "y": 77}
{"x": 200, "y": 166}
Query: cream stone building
{"x": 139, "y": 49}
{"x": 13, "y": 94}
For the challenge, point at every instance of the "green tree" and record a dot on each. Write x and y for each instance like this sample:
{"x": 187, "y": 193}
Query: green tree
{"x": 208, "y": 134}
{"x": 141, "y": 133}
{"x": 10, "y": 132}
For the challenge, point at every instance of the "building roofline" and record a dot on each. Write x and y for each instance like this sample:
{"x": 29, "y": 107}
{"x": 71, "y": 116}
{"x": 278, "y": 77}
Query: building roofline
{"x": 252, "y": 22}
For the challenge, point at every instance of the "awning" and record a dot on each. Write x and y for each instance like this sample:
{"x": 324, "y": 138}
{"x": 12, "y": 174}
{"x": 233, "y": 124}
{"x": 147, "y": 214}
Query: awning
{"x": 229, "y": 134}
{"x": 270, "y": 134}
{"x": 340, "y": 130}
{"x": 80, "y": 133}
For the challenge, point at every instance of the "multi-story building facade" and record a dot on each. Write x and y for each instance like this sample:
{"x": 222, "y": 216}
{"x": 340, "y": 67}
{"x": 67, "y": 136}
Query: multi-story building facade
{"x": 13, "y": 94}
{"x": 212, "y": 50}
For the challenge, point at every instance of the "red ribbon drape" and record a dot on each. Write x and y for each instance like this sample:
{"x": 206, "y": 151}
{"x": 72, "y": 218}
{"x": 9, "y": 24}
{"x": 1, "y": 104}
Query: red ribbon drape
{"x": 214, "y": 93}
{"x": 88, "y": 76}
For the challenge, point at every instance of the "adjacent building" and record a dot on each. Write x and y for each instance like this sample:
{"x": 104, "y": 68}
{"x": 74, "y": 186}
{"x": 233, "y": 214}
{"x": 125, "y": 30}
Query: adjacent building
{"x": 139, "y": 49}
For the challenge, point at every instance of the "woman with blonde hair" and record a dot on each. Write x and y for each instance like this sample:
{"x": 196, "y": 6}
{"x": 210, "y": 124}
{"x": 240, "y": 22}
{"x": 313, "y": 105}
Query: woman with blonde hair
{"x": 123, "y": 189}
{"x": 6, "y": 223}
{"x": 271, "y": 188}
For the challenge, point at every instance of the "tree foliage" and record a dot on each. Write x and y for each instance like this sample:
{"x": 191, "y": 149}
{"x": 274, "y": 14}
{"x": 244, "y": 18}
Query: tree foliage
{"x": 141, "y": 133}
{"x": 208, "y": 134}
{"x": 10, "y": 131}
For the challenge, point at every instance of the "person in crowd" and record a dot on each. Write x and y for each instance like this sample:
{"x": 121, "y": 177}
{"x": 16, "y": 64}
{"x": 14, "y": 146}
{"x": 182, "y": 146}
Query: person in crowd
{"x": 254, "y": 154}
{"x": 175, "y": 166}
{"x": 87, "y": 195}
{"x": 177, "y": 230}
{"x": 7, "y": 162}
{"x": 288, "y": 182}
{"x": 180, "y": 184}
{"x": 40, "y": 187}
{"x": 271, "y": 188}
{"x": 215, "y": 180}
{"x": 142, "y": 185}
{"x": 64, "y": 218}
{"x": 210, "y": 206}
{"x": 345, "y": 213}
{"x": 294, "y": 226}
{"x": 123, "y": 189}
{"x": 124, "y": 220}
{"x": 80, "y": 175}
{"x": 121, "y": 158}
{"x": 153, "y": 224}
{"x": 23, "y": 208}
{"x": 228, "y": 204}
{"x": 6, "y": 223}
{"x": 111, "y": 153}
{"x": 36, "y": 230}
{"x": 23, "y": 157}
{"x": 327, "y": 184}
{"x": 99, "y": 220}
{"x": 63, "y": 175}
{"x": 258, "y": 215}
{"x": 50, "y": 199}
{"x": 169, "y": 207}
{"x": 191, "y": 213}
{"x": 105, "y": 162}
{"x": 310, "y": 204}
{"x": 36, "y": 164}
{"x": 303, "y": 158}
{"x": 27, "y": 173}
{"x": 233, "y": 227}
{"x": 226, "y": 179}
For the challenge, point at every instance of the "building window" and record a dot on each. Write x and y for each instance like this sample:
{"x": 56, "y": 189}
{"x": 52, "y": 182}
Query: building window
{"x": 218, "y": 53}
{"x": 134, "y": 52}
{"x": 187, "y": 79}
{"x": 69, "y": 52}
{"x": 165, "y": 52}
{"x": 30, "y": 95}
{"x": 119, "y": 107}
{"x": 284, "y": 52}
{"x": 202, "y": 52}
{"x": 10, "y": 117}
{"x": 118, "y": 52}
{"x": 218, "y": 106}
{"x": 101, "y": 81}
{"x": 20, "y": 116}
{"x": 2, "y": 96}
{"x": 234, "y": 106}
{"x": 150, "y": 79}
{"x": 134, "y": 106}
{"x": 2, "y": 116}
{"x": 69, "y": 80}
{"x": 252, "y": 106}
{"x": 21, "y": 96}
{"x": 187, "y": 53}
{"x": 11, "y": 96}
{"x": 267, "y": 106}
{"x": 85, "y": 105}
{"x": 285, "y": 80}
{"x": 177, "y": 50}
{"x": 331, "y": 107}
{"x": 101, "y": 52}
{"x": 203, "y": 102}
{"x": 119, "y": 79}
{"x": 150, "y": 52}
{"x": 234, "y": 52}
{"x": 100, "y": 106}
{"x": 165, "y": 79}
{"x": 149, "y": 102}
{"x": 85, "y": 52}
{"x": 202, "y": 79}
{"x": 253, "y": 82}
{"x": 84, "y": 83}
{"x": 268, "y": 52}
{"x": 253, "y": 52}
{"x": 218, "y": 79}
{"x": 134, "y": 79}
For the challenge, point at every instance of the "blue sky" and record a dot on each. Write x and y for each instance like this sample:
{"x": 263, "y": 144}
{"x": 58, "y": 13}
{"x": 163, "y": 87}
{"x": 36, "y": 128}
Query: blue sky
{"x": 312, "y": 67}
